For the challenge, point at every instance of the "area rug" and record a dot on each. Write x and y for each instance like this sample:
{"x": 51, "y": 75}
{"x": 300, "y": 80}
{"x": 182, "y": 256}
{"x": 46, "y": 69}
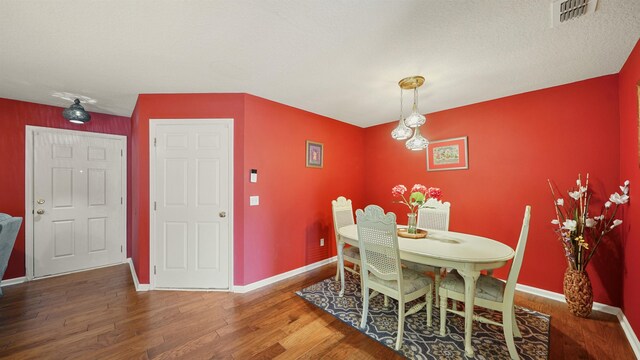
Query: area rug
{"x": 422, "y": 342}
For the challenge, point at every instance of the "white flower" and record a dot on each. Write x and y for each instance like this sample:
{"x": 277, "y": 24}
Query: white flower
{"x": 569, "y": 225}
{"x": 607, "y": 204}
{"x": 616, "y": 222}
{"x": 560, "y": 202}
{"x": 574, "y": 194}
{"x": 619, "y": 199}
{"x": 599, "y": 218}
{"x": 626, "y": 183}
{"x": 583, "y": 189}
{"x": 578, "y": 182}
{"x": 590, "y": 223}
{"x": 555, "y": 222}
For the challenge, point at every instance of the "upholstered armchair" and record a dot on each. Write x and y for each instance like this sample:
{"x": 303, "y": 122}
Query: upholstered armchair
{"x": 9, "y": 227}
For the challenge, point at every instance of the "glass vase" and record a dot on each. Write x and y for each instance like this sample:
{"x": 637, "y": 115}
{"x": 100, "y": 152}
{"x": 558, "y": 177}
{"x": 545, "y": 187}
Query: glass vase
{"x": 411, "y": 223}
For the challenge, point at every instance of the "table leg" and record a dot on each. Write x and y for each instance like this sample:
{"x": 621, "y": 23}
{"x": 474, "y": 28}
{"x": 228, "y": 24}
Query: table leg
{"x": 341, "y": 266}
{"x": 470, "y": 277}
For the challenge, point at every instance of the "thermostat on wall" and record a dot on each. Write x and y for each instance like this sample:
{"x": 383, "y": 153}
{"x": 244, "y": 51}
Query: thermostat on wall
{"x": 254, "y": 176}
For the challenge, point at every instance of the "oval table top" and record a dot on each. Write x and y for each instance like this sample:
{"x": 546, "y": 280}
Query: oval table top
{"x": 447, "y": 245}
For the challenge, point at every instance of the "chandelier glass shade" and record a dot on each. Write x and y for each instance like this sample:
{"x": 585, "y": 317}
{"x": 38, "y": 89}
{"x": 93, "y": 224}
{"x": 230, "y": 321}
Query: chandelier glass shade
{"x": 411, "y": 124}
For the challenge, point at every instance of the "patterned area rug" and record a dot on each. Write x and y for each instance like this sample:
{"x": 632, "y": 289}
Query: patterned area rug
{"x": 421, "y": 342}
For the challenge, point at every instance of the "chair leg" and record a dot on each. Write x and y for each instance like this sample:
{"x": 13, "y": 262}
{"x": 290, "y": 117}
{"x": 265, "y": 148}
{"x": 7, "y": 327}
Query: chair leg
{"x": 516, "y": 330}
{"x": 386, "y": 301}
{"x": 437, "y": 278}
{"x": 365, "y": 308}
{"x": 454, "y": 305}
{"x": 337, "y": 271}
{"x": 508, "y": 334}
{"x": 400, "y": 324}
{"x": 429, "y": 307}
{"x": 443, "y": 312}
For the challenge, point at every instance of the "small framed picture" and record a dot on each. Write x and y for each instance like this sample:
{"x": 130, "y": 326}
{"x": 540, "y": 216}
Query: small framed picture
{"x": 315, "y": 154}
{"x": 448, "y": 154}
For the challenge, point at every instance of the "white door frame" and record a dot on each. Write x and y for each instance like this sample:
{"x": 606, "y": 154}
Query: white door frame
{"x": 153, "y": 123}
{"x": 28, "y": 188}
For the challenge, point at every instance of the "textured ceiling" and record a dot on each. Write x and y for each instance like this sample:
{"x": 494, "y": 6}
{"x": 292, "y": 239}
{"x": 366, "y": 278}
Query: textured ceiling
{"x": 340, "y": 59}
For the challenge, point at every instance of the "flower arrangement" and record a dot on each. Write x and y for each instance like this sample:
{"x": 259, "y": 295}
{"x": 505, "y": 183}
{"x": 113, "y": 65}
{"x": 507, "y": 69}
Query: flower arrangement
{"x": 579, "y": 232}
{"x": 417, "y": 199}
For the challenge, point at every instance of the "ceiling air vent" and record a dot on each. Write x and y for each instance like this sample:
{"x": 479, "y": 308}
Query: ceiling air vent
{"x": 565, "y": 10}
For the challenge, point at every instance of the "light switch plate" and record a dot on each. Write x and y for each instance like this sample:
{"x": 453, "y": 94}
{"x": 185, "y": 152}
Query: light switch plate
{"x": 254, "y": 200}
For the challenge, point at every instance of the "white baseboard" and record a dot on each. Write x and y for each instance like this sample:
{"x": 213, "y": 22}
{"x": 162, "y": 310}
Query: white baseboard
{"x": 624, "y": 323}
{"x": 14, "y": 281}
{"x": 286, "y": 275}
{"x": 139, "y": 287}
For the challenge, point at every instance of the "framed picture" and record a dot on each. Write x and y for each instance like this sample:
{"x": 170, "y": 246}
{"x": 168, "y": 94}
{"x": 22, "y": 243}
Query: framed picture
{"x": 314, "y": 154}
{"x": 448, "y": 154}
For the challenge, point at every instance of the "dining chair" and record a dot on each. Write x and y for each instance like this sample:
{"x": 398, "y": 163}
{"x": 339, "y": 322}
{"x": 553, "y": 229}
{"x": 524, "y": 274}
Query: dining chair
{"x": 343, "y": 216}
{"x": 435, "y": 215}
{"x": 491, "y": 293}
{"x": 381, "y": 270}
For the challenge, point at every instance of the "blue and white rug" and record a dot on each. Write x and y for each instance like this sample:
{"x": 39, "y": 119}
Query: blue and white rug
{"x": 421, "y": 342}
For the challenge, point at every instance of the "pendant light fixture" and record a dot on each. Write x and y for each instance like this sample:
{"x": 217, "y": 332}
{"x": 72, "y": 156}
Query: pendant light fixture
{"x": 76, "y": 113}
{"x": 414, "y": 120}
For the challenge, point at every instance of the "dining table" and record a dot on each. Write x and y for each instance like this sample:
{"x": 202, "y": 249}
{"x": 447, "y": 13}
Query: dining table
{"x": 468, "y": 254}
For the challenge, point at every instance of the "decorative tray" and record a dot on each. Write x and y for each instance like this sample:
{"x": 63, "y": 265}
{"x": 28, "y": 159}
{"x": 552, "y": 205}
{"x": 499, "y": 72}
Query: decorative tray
{"x": 403, "y": 232}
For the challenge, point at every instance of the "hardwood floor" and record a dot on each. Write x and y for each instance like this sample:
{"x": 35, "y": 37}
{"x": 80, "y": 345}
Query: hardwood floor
{"x": 98, "y": 315}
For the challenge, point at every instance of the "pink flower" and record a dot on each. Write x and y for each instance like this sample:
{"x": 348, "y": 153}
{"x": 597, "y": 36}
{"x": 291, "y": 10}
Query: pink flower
{"x": 419, "y": 188}
{"x": 435, "y": 193}
{"x": 398, "y": 190}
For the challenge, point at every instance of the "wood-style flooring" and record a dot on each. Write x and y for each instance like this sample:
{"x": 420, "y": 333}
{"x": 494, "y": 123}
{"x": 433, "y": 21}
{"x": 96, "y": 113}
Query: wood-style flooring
{"x": 98, "y": 314}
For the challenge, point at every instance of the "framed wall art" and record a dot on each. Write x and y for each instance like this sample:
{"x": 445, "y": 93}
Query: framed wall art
{"x": 448, "y": 154}
{"x": 315, "y": 154}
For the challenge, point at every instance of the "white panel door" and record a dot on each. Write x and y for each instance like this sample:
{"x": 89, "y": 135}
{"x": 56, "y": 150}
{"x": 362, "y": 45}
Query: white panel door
{"x": 77, "y": 202}
{"x": 193, "y": 195}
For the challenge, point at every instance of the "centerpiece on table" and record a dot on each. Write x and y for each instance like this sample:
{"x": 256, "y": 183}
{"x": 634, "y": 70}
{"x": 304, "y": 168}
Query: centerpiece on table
{"x": 580, "y": 234}
{"x": 417, "y": 199}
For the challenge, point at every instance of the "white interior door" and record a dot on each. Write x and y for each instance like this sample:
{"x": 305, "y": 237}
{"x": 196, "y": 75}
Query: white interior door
{"x": 78, "y": 219}
{"x": 192, "y": 204}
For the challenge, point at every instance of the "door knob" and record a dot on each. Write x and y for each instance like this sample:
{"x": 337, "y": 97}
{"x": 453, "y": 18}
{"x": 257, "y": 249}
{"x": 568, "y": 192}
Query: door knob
{"x": 40, "y": 211}
{"x": 222, "y": 214}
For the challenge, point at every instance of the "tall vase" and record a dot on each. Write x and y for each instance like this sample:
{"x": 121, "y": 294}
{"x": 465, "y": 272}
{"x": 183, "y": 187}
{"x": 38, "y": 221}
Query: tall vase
{"x": 578, "y": 292}
{"x": 411, "y": 223}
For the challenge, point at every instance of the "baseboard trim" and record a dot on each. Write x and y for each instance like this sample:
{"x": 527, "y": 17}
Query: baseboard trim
{"x": 613, "y": 310}
{"x": 14, "y": 281}
{"x": 139, "y": 287}
{"x": 268, "y": 281}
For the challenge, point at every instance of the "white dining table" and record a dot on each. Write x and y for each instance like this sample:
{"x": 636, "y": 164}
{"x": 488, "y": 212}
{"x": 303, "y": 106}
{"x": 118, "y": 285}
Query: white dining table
{"x": 468, "y": 254}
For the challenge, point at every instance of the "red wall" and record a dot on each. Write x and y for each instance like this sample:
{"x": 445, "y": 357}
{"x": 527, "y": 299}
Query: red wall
{"x": 14, "y": 116}
{"x": 283, "y": 232}
{"x": 515, "y": 144}
{"x": 629, "y": 82}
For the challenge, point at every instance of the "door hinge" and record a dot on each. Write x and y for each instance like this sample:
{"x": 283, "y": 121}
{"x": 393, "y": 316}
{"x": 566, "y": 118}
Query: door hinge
{"x": 120, "y": 248}
{"x": 121, "y": 152}
{"x": 154, "y": 206}
{"x": 154, "y": 270}
{"x": 155, "y": 141}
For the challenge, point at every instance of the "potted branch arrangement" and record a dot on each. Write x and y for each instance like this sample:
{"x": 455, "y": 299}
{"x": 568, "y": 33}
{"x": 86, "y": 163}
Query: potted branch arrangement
{"x": 581, "y": 234}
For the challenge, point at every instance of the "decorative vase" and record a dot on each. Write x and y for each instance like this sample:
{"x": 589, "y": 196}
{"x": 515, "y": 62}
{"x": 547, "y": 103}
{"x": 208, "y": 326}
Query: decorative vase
{"x": 578, "y": 292}
{"x": 411, "y": 223}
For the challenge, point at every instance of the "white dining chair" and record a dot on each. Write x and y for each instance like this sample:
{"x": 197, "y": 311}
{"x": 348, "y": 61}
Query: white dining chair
{"x": 381, "y": 269}
{"x": 343, "y": 216}
{"x": 435, "y": 216}
{"x": 491, "y": 293}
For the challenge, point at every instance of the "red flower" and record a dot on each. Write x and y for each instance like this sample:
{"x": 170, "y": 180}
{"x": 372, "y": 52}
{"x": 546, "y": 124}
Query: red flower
{"x": 435, "y": 193}
{"x": 398, "y": 190}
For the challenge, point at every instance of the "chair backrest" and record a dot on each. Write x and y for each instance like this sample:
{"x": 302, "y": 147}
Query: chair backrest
{"x": 9, "y": 227}
{"x": 342, "y": 214}
{"x": 435, "y": 215}
{"x": 378, "y": 239}
{"x": 517, "y": 259}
